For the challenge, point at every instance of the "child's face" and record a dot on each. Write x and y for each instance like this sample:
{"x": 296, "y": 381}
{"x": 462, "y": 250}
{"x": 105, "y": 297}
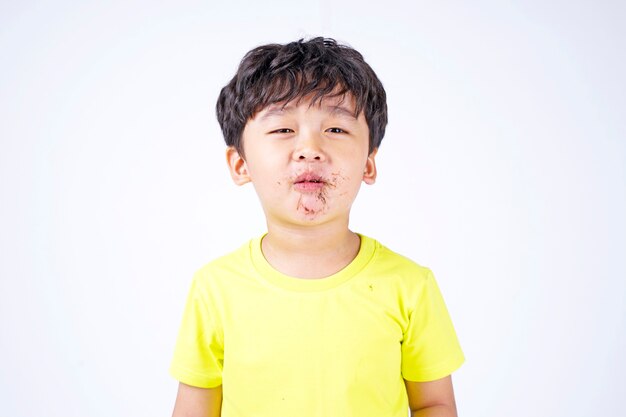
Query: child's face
{"x": 306, "y": 163}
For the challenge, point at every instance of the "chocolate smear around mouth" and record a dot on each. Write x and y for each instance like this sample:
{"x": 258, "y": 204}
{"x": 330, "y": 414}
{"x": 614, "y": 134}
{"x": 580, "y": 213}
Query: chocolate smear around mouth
{"x": 317, "y": 203}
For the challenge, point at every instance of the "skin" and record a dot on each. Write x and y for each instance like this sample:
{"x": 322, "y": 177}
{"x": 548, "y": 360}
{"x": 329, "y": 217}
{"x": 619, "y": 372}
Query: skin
{"x": 308, "y": 235}
{"x": 196, "y": 402}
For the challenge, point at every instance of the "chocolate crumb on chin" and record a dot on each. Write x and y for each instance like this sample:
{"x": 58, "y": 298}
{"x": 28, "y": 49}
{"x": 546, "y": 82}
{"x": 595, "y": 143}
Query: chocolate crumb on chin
{"x": 317, "y": 204}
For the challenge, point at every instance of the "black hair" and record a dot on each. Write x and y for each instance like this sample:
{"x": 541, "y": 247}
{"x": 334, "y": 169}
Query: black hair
{"x": 277, "y": 73}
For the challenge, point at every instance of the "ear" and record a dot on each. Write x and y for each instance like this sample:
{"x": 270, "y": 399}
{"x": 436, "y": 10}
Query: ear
{"x": 369, "y": 174}
{"x": 237, "y": 166}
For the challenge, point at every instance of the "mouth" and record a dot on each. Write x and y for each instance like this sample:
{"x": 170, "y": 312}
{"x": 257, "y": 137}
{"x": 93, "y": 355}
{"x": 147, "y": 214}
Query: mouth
{"x": 309, "y": 182}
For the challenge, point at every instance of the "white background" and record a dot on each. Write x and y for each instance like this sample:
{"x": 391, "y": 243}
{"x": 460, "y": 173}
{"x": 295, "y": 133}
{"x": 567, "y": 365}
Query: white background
{"x": 503, "y": 169}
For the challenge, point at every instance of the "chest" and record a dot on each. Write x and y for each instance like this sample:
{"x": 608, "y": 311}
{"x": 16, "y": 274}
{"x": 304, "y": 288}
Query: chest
{"x": 355, "y": 326}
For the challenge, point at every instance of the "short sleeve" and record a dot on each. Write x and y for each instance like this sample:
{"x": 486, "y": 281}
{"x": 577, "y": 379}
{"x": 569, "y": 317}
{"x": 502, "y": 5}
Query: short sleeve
{"x": 430, "y": 348}
{"x": 199, "y": 352}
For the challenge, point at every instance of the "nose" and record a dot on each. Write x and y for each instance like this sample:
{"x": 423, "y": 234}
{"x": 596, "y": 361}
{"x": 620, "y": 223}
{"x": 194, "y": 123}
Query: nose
{"x": 307, "y": 147}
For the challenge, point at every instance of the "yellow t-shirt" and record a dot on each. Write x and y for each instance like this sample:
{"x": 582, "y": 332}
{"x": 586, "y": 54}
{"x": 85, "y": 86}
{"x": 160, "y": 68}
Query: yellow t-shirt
{"x": 338, "y": 346}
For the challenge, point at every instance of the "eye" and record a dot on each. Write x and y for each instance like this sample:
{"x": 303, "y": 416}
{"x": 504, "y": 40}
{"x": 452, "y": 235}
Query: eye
{"x": 335, "y": 130}
{"x": 282, "y": 130}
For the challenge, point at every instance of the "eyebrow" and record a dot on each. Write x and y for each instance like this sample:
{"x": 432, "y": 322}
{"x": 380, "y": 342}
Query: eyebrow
{"x": 341, "y": 111}
{"x": 275, "y": 111}
{"x": 335, "y": 110}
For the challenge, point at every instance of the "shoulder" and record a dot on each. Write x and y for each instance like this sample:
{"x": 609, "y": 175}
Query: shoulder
{"x": 235, "y": 263}
{"x": 406, "y": 280}
{"x": 390, "y": 263}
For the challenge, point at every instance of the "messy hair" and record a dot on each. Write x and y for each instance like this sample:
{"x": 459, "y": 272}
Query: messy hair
{"x": 319, "y": 67}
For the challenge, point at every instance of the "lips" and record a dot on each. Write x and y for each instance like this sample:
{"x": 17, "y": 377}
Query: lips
{"x": 309, "y": 182}
{"x": 308, "y": 177}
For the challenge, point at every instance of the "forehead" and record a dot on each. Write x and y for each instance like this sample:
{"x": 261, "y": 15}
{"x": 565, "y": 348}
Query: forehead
{"x": 338, "y": 106}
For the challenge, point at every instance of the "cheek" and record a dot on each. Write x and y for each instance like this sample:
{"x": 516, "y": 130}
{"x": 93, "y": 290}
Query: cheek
{"x": 263, "y": 167}
{"x": 345, "y": 184}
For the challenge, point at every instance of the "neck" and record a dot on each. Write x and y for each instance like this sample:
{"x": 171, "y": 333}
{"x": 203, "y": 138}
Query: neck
{"x": 310, "y": 252}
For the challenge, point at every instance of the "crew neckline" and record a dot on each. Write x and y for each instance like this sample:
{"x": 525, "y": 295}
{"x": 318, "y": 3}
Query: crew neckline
{"x": 269, "y": 274}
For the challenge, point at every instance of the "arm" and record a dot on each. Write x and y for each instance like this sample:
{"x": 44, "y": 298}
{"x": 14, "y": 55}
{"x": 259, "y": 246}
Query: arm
{"x": 198, "y": 402}
{"x": 431, "y": 399}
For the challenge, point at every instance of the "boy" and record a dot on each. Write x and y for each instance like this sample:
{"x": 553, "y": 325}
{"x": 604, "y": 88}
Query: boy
{"x": 311, "y": 319}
